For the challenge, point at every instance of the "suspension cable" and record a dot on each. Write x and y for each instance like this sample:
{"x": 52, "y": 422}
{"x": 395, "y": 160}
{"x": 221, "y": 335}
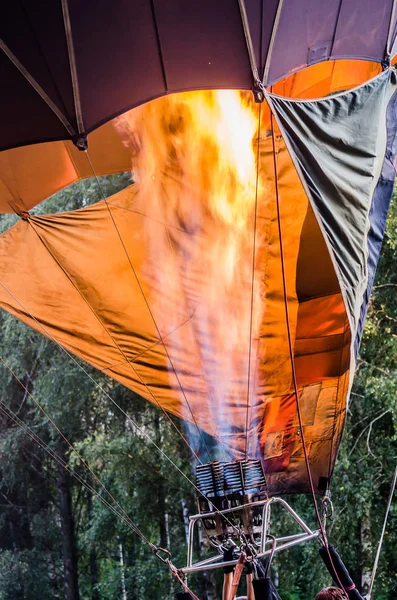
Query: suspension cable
{"x": 291, "y": 355}
{"x": 272, "y": 42}
{"x": 389, "y": 43}
{"x": 253, "y": 280}
{"x": 129, "y": 362}
{"x": 37, "y": 87}
{"x": 391, "y": 494}
{"x": 72, "y": 66}
{"x": 248, "y": 41}
{"x": 200, "y": 433}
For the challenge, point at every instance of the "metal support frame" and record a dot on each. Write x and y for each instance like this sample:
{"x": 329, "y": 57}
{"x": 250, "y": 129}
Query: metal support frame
{"x": 281, "y": 543}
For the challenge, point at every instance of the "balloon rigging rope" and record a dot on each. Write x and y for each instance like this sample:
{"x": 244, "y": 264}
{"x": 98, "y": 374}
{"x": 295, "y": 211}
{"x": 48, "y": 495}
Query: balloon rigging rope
{"x": 120, "y": 511}
{"x": 200, "y": 433}
{"x": 193, "y": 329}
{"x": 253, "y": 280}
{"x": 291, "y": 354}
{"x": 341, "y": 389}
{"x": 37, "y": 87}
{"x": 129, "y": 362}
{"x": 272, "y": 41}
{"x": 72, "y": 66}
{"x": 127, "y": 416}
{"x": 391, "y": 494}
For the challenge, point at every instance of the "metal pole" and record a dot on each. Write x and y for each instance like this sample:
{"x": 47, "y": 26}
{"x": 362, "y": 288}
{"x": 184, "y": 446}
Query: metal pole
{"x": 207, "y": 567}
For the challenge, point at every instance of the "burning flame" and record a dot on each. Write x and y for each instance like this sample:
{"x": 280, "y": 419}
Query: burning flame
{"x": 195, "y": 161}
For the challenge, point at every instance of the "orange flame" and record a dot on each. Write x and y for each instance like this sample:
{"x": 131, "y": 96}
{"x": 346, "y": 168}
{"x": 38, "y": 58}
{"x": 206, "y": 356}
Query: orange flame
{"x": 195, "y": 160}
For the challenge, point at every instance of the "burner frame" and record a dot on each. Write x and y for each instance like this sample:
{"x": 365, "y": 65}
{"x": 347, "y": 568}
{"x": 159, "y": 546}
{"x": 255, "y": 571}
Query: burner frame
{"x": 277, "y": 544}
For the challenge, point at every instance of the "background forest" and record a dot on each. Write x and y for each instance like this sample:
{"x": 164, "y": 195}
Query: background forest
{"x": 58, "y": 540}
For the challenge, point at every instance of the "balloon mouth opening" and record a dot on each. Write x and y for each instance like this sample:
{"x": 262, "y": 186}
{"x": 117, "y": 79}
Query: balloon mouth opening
{"x": 229, "y": 492}
{"x": 323, "y": 78}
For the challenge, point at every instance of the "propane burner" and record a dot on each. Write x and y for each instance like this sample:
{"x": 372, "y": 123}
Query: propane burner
{"x": 220, "y": 479}
{"x": 231, "y": 486}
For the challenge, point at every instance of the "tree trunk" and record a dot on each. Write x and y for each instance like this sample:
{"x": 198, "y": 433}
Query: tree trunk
{"x": 68, "y": 534}
{"x": 186, "y": 522}
{"x": 275, "y": 573}
{"x": 93, "y": 559}
{"x": 207, "y": 585}
{"x": 161, "y": 499}
{"x": 122, "y": 574}
{"x": 52, "y": 576}
{"x": 366, "y": 552}
{"x": 163, "y": 518}
{"x": 20, "y": 578}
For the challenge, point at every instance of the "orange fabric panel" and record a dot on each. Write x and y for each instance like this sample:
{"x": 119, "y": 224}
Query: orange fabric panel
{"x": 107, "y": 325}
{"x": 30, "y": 174}
{"x": 326, "y": 78}
{"x": 323, "y": 418}
{"x": 320, "y": 279}
{"x": 323, "y": 339}
{"x": 331, "y": 322}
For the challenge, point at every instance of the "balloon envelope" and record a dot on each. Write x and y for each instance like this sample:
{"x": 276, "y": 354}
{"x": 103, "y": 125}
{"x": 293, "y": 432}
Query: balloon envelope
{"x": 174, "y": 286}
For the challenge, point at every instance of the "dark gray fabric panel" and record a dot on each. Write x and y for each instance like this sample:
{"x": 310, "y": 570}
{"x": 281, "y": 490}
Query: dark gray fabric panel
{"x": 339, "y": 145}
{"x": 379, "y": 210}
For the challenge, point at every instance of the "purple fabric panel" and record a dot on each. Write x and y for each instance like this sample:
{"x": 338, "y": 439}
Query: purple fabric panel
{"x": 32, "y": 32}
{"x": 25, "y": 118}
{"x": 304, "y": 35}
{"x": 362, "y": 28}
{"x": 310, "y": 31}
{"x": 117, "y": 56}
{"x": 203, "y": 44}
{"x": 129, "y": 52}
{"x": 32, "y": 35}
{"x": 378, "y": 213}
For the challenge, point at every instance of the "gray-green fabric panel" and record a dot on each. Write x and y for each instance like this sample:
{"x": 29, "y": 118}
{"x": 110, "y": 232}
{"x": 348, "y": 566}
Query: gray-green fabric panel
{"x": 338, "y": 145}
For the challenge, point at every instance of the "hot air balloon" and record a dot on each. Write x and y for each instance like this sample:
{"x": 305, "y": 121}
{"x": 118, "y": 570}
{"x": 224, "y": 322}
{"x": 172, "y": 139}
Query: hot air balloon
{"x": 229, "y": 284}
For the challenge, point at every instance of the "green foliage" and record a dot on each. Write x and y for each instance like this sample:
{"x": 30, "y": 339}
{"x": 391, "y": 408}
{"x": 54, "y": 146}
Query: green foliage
{"x": 368, "y": 453}
{"x": 146, "y": 486}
